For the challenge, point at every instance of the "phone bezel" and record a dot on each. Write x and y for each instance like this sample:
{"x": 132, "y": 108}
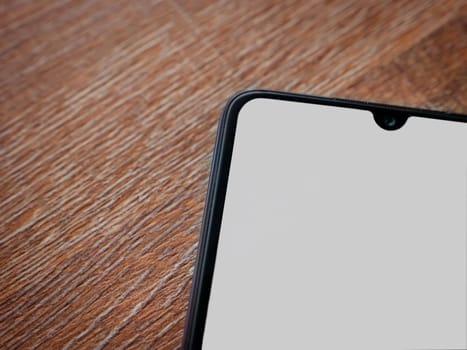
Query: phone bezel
{"x": 220, "y": 167}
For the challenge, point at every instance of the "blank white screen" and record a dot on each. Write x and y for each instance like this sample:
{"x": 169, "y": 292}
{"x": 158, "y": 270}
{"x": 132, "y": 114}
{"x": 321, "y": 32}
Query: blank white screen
{"x": 338, "y": 234}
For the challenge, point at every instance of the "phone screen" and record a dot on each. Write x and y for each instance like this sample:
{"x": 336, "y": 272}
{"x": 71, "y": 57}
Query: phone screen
{"x": 337, "y": 234}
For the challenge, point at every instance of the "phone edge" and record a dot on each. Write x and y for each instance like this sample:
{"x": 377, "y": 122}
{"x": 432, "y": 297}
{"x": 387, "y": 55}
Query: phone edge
{"x": 217, "y": 186}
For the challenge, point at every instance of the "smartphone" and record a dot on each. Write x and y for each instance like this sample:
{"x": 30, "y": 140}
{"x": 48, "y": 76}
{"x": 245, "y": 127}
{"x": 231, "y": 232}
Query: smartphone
{"x": 332, "y": 224}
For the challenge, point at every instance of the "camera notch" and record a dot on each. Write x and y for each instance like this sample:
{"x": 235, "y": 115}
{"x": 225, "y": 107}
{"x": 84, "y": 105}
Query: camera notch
{"x": 390, "y": 120}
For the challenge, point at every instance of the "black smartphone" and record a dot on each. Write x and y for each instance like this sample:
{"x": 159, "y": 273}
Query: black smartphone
{"x": 332, "y": 224}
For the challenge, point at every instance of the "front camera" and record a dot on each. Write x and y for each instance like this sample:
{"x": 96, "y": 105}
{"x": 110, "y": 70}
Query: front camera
{"x": 389, "y": 121}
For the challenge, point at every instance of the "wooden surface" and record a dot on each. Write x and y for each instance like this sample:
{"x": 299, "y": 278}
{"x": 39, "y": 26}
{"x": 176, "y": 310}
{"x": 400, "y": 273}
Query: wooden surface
{"x": 108, "y": 117}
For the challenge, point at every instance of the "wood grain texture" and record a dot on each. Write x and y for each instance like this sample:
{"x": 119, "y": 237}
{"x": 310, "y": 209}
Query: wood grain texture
{"x": 108, "y": 116}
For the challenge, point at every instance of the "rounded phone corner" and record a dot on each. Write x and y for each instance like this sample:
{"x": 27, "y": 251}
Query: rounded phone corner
{"x": 238, "y": 101}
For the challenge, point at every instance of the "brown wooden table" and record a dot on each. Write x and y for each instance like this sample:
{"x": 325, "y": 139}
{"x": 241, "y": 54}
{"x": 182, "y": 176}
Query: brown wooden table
{"x": 108, "y": 117}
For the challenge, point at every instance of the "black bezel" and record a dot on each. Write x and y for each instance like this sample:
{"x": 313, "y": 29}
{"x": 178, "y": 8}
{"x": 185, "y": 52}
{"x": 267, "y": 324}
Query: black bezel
{"x": 209, "y": 237}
